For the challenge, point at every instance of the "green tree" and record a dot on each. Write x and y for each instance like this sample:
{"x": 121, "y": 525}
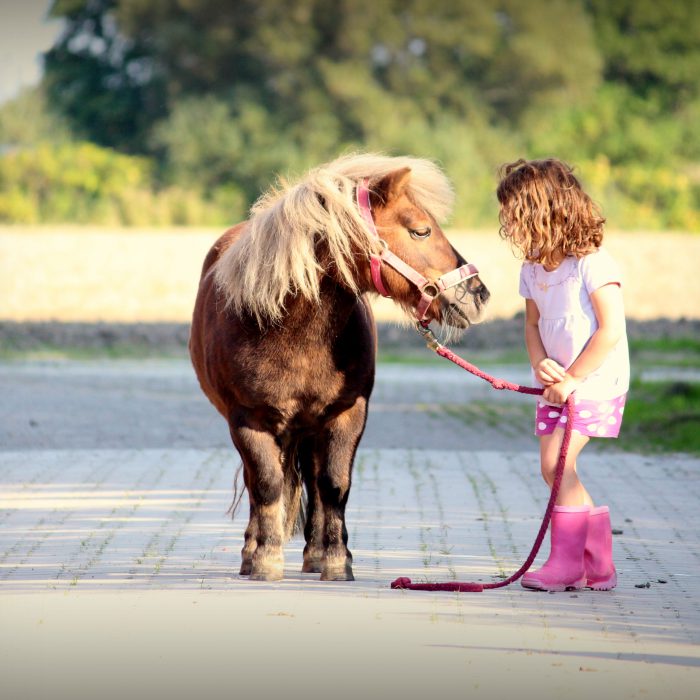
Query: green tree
{"x": 106, "y": 83}
{"x": 28, "y": 119}
{"x": 223, "y": 96}
{"x": 652, "y": 47}
{"x": 118, "y": 63}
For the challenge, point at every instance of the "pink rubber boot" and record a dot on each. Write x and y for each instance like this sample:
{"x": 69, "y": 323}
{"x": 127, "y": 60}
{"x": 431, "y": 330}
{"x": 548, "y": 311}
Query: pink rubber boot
{"x": 598, "y": 560}
{"x": 564, "y": 569}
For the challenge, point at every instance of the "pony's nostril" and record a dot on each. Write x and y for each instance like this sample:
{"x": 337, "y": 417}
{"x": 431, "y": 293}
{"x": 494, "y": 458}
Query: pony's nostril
{"x": 461, "y": 291}
{"x": 472, "y": 287}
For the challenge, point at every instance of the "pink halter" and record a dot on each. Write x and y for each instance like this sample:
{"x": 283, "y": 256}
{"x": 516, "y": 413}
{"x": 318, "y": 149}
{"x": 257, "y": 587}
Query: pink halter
{"x": 428, "y": 290}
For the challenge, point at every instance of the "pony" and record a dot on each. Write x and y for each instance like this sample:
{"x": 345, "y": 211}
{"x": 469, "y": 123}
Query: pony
{"x": 283, "y": 339}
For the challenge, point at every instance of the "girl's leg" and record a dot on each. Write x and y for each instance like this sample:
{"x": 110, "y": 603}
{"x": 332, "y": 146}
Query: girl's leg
{"x": 564, "y": 569}
{"x": 571, "y": 492}
{"x": 598, "y": 555}
{"x": 565, "y": 566}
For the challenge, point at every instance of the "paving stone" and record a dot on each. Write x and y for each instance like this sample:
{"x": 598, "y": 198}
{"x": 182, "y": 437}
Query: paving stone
{"x": 118, "y": 565}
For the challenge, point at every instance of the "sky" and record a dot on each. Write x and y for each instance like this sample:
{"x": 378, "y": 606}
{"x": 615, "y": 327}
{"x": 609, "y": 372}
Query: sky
{"x": 24, "y": 34}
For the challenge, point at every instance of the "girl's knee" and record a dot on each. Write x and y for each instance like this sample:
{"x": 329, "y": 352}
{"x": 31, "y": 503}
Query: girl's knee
{"x": 548, "y": 472}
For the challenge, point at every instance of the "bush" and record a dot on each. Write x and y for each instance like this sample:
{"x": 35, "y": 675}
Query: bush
{"x": 214, "y": 159}
{"x": 84, "y": 183}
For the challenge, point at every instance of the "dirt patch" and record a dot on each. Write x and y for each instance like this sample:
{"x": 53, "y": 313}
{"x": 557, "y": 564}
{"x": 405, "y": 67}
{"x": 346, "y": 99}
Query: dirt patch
{"x": 122, "y": 339}
{"x": 170, "y": 339}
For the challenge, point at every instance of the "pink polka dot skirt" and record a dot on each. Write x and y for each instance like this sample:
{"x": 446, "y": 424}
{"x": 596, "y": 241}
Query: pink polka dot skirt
{"x": 590, "y": 417}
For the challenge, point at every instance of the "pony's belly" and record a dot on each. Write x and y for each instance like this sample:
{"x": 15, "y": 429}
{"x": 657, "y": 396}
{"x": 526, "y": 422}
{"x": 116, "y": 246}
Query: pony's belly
{"x": 303, "y": 397}
{"x": 300, "y": 417}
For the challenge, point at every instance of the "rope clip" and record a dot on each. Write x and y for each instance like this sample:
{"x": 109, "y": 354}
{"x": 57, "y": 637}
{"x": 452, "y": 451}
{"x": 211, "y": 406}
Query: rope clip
{"x": 428, "y": 336}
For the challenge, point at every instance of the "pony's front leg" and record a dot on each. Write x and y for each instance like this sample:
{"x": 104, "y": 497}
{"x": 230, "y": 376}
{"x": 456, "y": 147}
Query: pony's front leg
{"x": 262, "y": 553}
{"x": 343, "y": 434}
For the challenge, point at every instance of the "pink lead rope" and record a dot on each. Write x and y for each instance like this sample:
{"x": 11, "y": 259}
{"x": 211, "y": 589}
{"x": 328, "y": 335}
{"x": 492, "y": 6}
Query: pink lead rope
{"x": 475, "y": 586}
{"x": 429, "y": 290}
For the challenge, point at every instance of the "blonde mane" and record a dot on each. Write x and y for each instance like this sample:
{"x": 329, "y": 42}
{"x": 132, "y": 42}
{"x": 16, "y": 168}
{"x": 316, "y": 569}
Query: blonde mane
{"x": 276, "y": 254}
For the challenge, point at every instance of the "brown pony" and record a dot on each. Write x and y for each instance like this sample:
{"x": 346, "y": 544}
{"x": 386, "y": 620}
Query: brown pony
{"x": 283, "y": 339}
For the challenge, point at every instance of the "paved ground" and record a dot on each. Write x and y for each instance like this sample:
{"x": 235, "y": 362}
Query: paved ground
{"x": 118, "y": 564}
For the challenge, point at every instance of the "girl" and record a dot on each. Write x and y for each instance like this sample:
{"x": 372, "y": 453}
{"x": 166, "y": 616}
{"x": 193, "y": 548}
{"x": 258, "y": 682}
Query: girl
{"x": 576, "y": 340}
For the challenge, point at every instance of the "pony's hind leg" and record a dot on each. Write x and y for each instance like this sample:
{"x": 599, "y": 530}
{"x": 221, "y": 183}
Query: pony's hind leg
{"x": 250, "y": 538}
{"x": 313, "y": 529}
{"x": 343, "y": 434}
{"x": 250, "y": 541}
{"x": 262, "y": 553}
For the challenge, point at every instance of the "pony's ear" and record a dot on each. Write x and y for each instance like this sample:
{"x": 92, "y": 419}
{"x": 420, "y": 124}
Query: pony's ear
{"x": 392, "y": 186}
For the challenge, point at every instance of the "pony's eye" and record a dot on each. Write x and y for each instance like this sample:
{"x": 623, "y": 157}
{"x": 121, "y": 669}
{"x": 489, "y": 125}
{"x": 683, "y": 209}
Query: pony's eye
{"x": 420, "y": 233}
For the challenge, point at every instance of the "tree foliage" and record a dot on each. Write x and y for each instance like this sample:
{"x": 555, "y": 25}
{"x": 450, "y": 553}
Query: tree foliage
{"x": 220, "y": 97}
{"x": 104, "y": 81}
{"x": 652, "y": 47}
{"x": 80, "y": 182}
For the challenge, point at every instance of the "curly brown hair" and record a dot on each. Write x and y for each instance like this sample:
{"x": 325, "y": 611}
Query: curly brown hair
{"x": 545, "y": 214}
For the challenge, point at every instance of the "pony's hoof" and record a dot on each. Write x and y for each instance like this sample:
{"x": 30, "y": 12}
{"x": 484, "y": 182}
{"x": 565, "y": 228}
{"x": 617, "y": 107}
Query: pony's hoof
{"x": 270, "y": 568}
{"x": 267, "y": 574}
{"x": 312, "y": 566}
{"x": 334, "y": 573}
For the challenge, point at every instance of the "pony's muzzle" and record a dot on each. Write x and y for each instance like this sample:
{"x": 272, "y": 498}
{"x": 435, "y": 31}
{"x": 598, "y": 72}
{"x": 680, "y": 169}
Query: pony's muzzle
{"x": 464, "y": 304}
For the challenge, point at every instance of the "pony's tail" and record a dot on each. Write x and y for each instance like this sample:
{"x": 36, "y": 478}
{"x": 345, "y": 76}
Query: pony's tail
{"x": 294, "y": 495}
{"x": 237, "y": 492}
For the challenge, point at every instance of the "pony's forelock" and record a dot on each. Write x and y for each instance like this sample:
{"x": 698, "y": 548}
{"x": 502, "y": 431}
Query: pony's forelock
{"x": 276, "y": 255}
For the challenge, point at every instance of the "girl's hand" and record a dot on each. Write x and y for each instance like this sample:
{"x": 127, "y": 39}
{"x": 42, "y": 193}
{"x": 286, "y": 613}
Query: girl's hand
{"x": 559, "y": 392}
{"x": 549, "y": 372}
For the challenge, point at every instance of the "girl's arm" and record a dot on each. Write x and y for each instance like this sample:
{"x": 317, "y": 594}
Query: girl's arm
{"x": 547, "y": 371}
{"x": 610, "y": 313}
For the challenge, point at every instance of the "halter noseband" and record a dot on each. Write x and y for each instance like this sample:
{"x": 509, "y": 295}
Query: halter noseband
{"x": 428, "y": 290}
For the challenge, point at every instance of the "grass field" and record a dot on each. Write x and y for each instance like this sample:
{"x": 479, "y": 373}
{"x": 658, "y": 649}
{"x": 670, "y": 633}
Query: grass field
{"x": 662, "y": 417}
{"x": 89, "y": 274}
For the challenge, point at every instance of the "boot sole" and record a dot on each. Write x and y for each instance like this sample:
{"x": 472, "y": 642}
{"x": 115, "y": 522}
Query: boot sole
{"x": 555, "y": 588}
{"x": 606, "y": 585}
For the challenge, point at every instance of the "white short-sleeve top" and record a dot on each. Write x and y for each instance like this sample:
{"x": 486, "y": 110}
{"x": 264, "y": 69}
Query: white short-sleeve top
{"x": 567, "y": 320}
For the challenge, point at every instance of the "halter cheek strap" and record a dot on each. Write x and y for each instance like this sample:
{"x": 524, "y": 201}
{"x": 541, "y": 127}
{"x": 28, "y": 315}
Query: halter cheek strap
{"x": 428, "y": 290}
{"x": 375, "y": 260}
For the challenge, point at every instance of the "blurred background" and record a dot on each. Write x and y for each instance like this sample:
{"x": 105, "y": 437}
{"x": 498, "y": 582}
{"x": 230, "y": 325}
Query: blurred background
{"x": 132, "y": 132}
